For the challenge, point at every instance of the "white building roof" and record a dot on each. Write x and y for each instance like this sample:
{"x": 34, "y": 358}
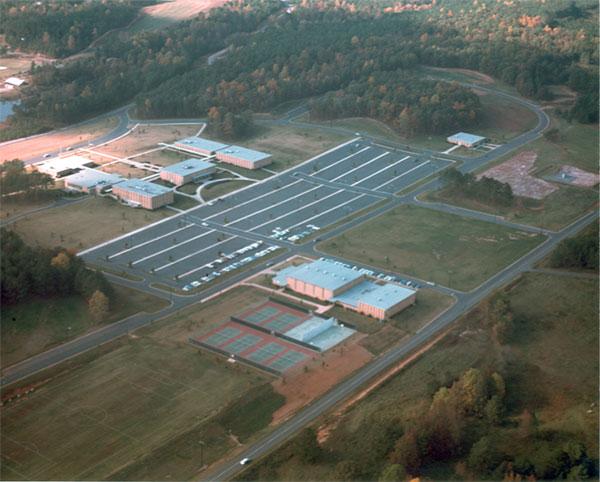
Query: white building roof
{"x": 466, "y": 138}
{"x": 145, "y": 188}
{"x": 16, "y": 81}
{"x": 57, "y": 165}
{"x": 200, "y": 143}
{"x": 89, "y": 178}
{"x": 244, "y": 153}
{"x": 189, "y": 166}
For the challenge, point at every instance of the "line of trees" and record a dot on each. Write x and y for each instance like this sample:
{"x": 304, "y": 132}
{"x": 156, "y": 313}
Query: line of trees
{"x": 486, "y": 190}
{"x": 26, "y": 272}
{"x": 59, "y": 28}
{"x": 578, "y": 252}
{"x": 14, "y": 178}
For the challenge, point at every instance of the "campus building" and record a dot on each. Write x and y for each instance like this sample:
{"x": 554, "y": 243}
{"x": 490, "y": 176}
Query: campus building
{"x": 58, "y": 167}
{"x": 349, "y": 288}
{"x": 187, "y": 171}
{"x": 91, "y": 181}
{"x": 138, "y": 193}
{"x": 198, "y": 145}
{"x": 236, "y": 155}
{"x": 466, "y": 140}
{"x": 242, "y": 157}
{"x": 379, "y": 301}
{"x": 320, "y": 279}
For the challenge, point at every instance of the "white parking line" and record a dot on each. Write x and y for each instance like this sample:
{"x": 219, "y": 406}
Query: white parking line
{"x": 361, "y": 166}
{"x": 342, "y": 160}
{"x": 149, "y": 241}
{"x": 328, "y": 211}
{"x": 193, "y": 254}
{"x": 251, "y": 200}
{"x": 401, "y": 175}
{"x": 172, "y": 247}
{"x": 272, "y": 206}
{"x": 381, "y": 170}
{"x": 296, "y": 210}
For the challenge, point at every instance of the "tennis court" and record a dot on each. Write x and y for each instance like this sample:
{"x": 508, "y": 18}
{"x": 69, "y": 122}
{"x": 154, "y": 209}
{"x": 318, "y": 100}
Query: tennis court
{"x": 222, "y": 336}
{"x": 241, "y": 344}
{"x": 275, "y": 316}
{"x": 257, "y": 348}
{"x": 262, "y": 354}
{"x": 287, "y": 360}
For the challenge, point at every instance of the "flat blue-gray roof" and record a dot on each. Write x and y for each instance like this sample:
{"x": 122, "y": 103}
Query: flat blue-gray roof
{"x": 200, "y": 143}
{"x": 143, "y": 187}
{"x": 244, "y": 153}
{"x": 380, "y": 296}
{"x": 189, "y": 166}
{"x": 321, "y": 273}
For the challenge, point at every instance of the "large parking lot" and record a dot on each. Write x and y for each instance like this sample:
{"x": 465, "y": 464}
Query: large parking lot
{"x": 223, "y": 235}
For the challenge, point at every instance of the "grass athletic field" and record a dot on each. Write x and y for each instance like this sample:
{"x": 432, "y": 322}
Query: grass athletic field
{"x": 457, "y": 252}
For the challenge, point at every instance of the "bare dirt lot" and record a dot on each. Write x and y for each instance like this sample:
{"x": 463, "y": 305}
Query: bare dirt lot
{"x": 29, "y": 148}
{"x": 146, "y": 137}
{"x": 162, "y": 157}
{"x": 302, "y": 387}
{"x": 581, "y": 178}
{"x": 516, "y": 172}
{"x": 125, "y": 170}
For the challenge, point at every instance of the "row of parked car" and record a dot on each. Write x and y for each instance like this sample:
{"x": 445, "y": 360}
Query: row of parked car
{"x": 284, "y": 234}
{"x": 233, "y": 266}
{"x": 374, "y": 274}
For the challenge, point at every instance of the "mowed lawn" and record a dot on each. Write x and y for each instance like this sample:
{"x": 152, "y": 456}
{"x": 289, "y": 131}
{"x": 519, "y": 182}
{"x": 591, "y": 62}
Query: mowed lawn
{"x": 37, "y": 325}
{"x": 84, "y": 224}
{"x": 139, "y": 409}
{"x": 451, "y": 250}
{"x": 288, "y": 144}
{"x": 546, "y": 367}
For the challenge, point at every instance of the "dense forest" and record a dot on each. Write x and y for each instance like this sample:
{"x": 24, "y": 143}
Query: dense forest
{"x": 360, "y": 56}
{"x": 62, "y": 28}
{"x": 578, "y": 252}
{"x": 486, "y": 190}
{"x": 28, "y": 272}
{"x": 119, "y": 69}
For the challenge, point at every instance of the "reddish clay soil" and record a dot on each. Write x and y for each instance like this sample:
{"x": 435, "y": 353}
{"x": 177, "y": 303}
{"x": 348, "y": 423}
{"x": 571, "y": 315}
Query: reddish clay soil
{"x": 582, "y": 178}
{"x": 516, "y": 171}
{"x": 182, "y": 9}
{"x": 300, "y": 388}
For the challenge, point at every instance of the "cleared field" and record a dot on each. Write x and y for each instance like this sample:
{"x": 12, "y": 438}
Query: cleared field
{"x": 146, "y": 137}
{"x": 553, "y": 212}
{"x": 163, "y": 157}
{"x": 290, "y": 145}
{"x": 84, "y": 224}
{"x": 139, "y": 410}
{"x": 222, "y": 188}
{"x": 125, "y": 170}
{"x": 546, "y": 369}
{"x": 166, "y": 13}
{"x": 454, "y": 251}
{"x": 53, "y": 141}
{"x": 30, "y": 328}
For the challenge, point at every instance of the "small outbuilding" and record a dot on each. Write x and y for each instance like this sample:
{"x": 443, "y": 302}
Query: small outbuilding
{"x": 466, "y": 140}
{"x": 13, "y": 82}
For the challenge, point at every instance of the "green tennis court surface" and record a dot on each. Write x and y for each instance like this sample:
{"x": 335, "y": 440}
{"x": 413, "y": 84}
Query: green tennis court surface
{"x": 263, "y": 314}
{"x": 222, "y": 336}
{"x": 265, "y": 352}
{"x": 282, "y": 322}
{"x": 242, "y": 344}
